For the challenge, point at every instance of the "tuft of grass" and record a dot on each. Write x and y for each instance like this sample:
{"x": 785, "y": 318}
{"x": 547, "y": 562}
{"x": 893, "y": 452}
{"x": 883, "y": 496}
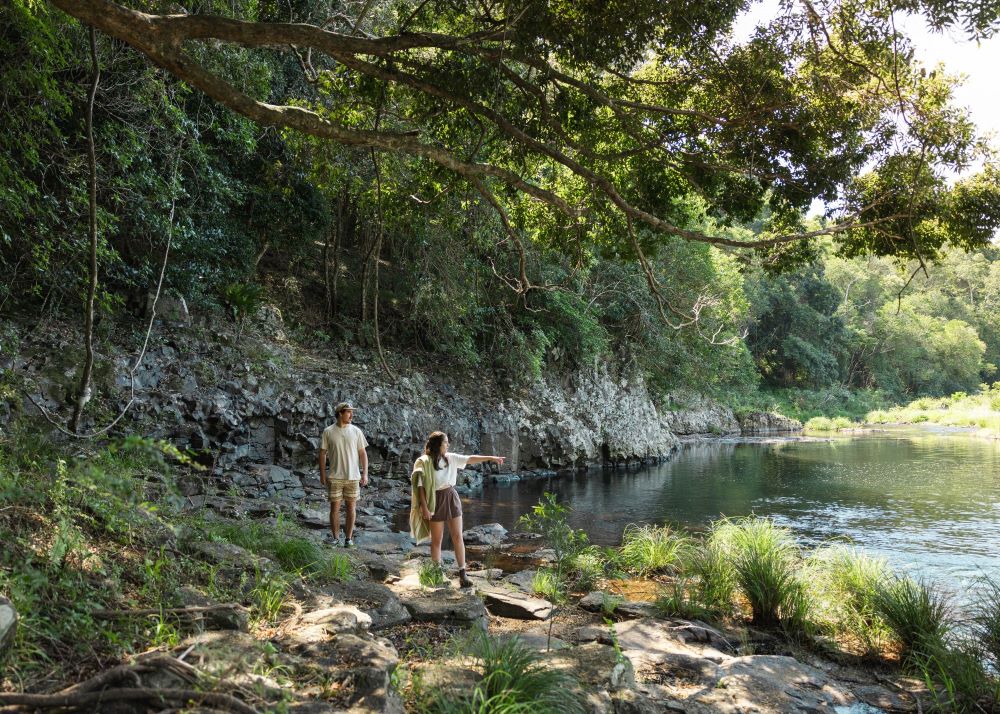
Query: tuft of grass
{"x": 431, "y": 575}
{"x": 268, "y": 597}
{"x": 986, "y": 620}
{"x": 765, "y": 561}
{"x": 297, "y": 555}
{"x": 917, "y": 614}
{"x": 588, "y": 567}
{"x": 647, "y": 550}
{"x": 843, "y": 582}
{"x": 515, "y": 681}
{"x": 547, "y": 584}
{"x": 335, "y": 567}
{"x": 680, "y": 599}
{"x": 714, "y": 586}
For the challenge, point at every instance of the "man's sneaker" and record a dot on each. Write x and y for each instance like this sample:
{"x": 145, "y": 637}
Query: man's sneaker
{"x": 349, "y": 543}
{"x": 463, "y": 580}
{"x": 333, "y": 540}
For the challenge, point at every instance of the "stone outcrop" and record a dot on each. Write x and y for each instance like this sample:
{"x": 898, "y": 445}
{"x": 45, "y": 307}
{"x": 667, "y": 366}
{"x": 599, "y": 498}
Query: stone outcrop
{"x": 767, "y": 423}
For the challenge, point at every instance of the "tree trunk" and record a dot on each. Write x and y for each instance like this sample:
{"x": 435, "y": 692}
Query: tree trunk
{"x": 84, "y": 393}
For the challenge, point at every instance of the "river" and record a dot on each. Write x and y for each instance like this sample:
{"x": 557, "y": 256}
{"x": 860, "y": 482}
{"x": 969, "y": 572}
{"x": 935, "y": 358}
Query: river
{"x": 927, "y": 502}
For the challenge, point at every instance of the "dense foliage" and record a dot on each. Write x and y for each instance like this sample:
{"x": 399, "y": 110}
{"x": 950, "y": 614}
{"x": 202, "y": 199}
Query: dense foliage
{"x": 360, "y": 243}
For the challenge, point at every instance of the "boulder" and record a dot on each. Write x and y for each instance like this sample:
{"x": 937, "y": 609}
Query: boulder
{"x": 223, "y": 619}
{"x": 374, "y": 599}
{"x": 8, "y": 626}
{"x": 767, "y": 423}
{"x": 508, "y": 603}
{"x": 486, "y": 534}
{"x": 447, "y": 605}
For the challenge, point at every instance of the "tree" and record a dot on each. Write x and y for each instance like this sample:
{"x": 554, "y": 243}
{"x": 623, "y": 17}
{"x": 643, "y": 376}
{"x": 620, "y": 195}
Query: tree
{"x": 615, "y": 114}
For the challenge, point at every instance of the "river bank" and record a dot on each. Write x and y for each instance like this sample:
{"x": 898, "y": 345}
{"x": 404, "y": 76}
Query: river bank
{"x": 217, "y": 568}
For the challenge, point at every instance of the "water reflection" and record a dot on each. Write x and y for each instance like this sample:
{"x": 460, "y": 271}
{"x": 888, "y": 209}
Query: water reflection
{"x": 928, "y": 503}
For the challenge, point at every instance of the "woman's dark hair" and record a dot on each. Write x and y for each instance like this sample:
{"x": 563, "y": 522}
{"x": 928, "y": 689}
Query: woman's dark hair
{"x": 433, "y": 448}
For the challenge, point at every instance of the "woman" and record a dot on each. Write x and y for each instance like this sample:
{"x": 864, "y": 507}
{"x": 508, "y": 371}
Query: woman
{"x": 435, "y": 500}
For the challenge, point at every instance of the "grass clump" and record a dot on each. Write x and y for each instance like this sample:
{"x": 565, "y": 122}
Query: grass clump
{"x": 514, "y": 681}
{"x": 431, "y": 574}
{"x": 917, "y": 615}
{"x": 648, "y": 550}
{"x": 546, "y": 583}
{"x": 268, "y": 597}
{"x": 823, "y": 424}
{"x": 843, "y": 584}
{"x": 765, "y": 561}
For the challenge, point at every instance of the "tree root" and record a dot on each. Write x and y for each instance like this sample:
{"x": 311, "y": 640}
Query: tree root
{"x": 89, "y": 694}
{"x": 87, "y": 700}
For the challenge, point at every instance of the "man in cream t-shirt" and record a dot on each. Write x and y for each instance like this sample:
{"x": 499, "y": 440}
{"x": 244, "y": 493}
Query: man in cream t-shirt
{"x": 345, "y": 445}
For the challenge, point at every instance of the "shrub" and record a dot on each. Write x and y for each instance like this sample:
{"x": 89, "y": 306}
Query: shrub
{"x": 917, "y": 615}
{"x": 819, "y": 424}
{"x": 550, "y": 519}
{"x": 765, "y": 559}
{"x": 652, "y": 549}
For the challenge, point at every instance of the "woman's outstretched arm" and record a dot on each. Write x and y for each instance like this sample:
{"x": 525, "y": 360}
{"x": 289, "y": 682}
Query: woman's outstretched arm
{"x": 480, "y": 459}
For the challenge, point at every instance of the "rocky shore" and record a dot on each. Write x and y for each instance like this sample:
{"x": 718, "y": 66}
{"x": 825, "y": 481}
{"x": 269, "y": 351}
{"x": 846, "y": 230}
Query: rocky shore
{"x": 252, "y": 413}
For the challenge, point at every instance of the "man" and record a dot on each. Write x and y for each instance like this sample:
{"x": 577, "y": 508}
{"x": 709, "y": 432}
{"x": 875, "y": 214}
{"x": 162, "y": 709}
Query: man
{"x": 345, "y": 444}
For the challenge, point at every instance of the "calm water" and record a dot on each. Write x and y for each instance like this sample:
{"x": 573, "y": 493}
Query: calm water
{"x": 929, "y": 503}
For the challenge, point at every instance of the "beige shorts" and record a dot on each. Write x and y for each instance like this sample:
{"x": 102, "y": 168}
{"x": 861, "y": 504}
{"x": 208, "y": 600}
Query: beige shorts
{"x": 342, "y": 489}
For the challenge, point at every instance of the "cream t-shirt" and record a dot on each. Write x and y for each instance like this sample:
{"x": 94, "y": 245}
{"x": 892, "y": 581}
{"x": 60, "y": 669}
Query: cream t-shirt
{"x": 447, "y": 476}
{"x": 341, "y": 445}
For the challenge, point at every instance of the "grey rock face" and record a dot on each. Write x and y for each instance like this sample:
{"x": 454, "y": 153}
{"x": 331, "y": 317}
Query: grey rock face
{"x": 8, "y": 626}
{"x": 768, "y": 423}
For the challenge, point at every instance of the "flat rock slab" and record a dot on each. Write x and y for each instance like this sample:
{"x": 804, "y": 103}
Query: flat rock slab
{"x": 596, "y": 665}
{"x": 508, "y": 603}
{"x": 538, "y": 640}
{"x": 376, "y": 600}
{"x": 652, "y": 642}
{"x": 448, "y": 605}
{"x": 772, "y": 684}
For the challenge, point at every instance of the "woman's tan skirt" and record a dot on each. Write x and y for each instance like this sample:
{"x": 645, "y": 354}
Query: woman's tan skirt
{"x": 448, "y": 505}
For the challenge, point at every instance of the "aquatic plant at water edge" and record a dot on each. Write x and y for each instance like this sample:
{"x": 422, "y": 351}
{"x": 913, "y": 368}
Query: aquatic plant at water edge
{"x": 650, "y": 549}
{"x": 765, "y": 561}
{"x": 917, "y": 614}
{"x": 843, "y": 582}
{"x": 714, "y": 579}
